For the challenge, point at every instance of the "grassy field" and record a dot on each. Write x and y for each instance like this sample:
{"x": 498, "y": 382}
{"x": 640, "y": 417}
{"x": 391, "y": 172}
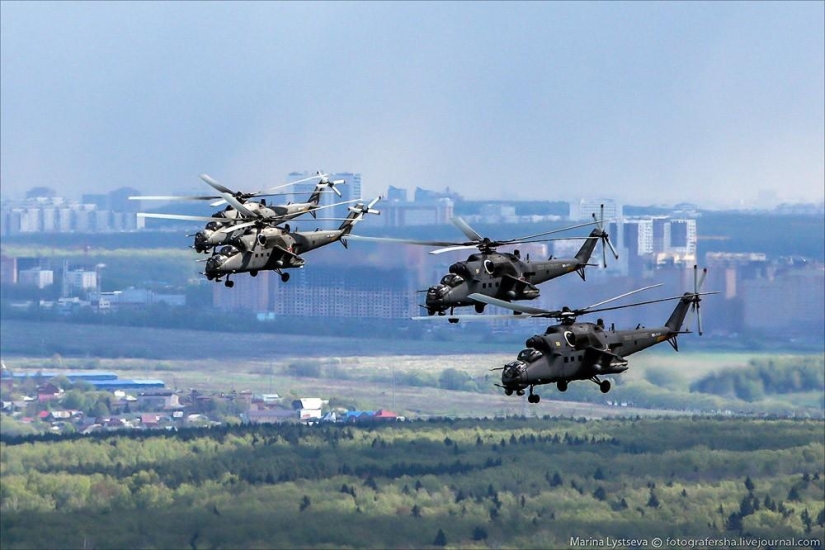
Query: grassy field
{"x": 378, "y": 373}
{"x": 44, "y": 339}
{"x": 383, "y": 381}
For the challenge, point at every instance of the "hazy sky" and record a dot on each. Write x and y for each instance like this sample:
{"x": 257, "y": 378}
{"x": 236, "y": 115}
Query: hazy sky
{"x": 645, "y": 102}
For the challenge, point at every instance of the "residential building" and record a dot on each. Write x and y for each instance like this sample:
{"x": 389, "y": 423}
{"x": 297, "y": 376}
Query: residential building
{"x": 407, "y": 214}
{"x": 41, "y": 278}
{"x": 160, "y": 399}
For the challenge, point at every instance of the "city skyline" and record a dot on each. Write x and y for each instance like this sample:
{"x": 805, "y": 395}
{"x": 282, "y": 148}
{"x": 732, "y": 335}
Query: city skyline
{"x": 718, "y": 104}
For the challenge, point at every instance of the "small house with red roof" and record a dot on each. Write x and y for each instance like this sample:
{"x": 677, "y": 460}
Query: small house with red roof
{"x": 383, "y": 415}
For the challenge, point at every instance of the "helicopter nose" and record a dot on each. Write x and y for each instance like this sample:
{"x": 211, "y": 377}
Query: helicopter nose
{"x": 200, "y": 239}
{"x": 512, "y": 372}
{"x": 436, "y": 294}
{"x": 213, "y": 263}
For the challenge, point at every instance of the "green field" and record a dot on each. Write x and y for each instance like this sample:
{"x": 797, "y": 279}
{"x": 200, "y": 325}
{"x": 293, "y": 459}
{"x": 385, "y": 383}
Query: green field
{"x": 658, "y": 382}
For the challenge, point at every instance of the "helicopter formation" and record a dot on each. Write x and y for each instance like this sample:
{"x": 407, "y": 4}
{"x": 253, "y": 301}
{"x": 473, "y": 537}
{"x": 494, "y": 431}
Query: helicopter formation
{"x": 250, "y": 236}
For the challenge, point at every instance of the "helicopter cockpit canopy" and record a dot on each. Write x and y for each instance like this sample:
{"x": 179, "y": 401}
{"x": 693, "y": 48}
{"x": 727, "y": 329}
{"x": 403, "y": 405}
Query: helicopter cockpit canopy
{"x": 529, "y": 355}
{"x": 228, "y": 250}
{"x": 459, "y": 268}
{"x": 452, "y": 280}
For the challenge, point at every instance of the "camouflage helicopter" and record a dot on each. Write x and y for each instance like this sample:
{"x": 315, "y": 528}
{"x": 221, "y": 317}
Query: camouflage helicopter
{"x": 500, "y": 275}
{"x": 572, "y": 351}
{"x": 267, "y": 247}
{"x": 242, "y": 212}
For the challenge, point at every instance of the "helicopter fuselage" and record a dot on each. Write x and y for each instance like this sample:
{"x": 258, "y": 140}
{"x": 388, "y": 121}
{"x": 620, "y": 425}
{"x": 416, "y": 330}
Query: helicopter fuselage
{"x": 496, "y": 274}
{"x": 217, "y": 233}
{"x": 584, "y": 351}
{"x": 271, "y": 248}
{"x": 580, "y": 351}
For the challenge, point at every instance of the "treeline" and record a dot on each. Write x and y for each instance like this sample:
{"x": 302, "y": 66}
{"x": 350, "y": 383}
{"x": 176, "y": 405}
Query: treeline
{"x": 468, "y": 483}
{"x": 766, "y": 377}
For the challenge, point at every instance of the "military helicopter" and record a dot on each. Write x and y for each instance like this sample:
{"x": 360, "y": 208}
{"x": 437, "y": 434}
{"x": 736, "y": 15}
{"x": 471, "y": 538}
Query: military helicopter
{"x": 242, "y": 212}
{"x": 585, "y": 351}
{"x": 273, "y": 248}
{"x": 500, "y": 275}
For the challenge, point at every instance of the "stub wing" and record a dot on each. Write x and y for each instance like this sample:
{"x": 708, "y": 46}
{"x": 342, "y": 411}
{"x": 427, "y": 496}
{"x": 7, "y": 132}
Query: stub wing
{"x": 604, "y": 361}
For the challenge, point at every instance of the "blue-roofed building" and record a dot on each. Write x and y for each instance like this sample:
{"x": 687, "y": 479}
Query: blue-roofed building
{"x": 101, "y": 380}
{"x": 358, "y": 416}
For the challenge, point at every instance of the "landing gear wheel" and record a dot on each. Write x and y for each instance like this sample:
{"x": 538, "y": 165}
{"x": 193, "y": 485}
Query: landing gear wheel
{"x": 480, "y": 308}
{"x": 562, "y": 385}
{"x": 533, "y": 398}
{"x": 229, "y": 284}
{"x": 284, "y": 277}
{"x": 254, "y": 272}
{"x": 430, "y": 312}
{"x": 508, "y": 391}
{"x": 604, "y": 386}
{"x": 453, "y": 320}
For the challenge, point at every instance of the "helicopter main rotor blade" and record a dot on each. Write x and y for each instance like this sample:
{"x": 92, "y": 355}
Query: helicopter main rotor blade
{"x": 453, "y": 248}
{"x": 489, "y": 300}
{"x": 403, "y": 241}
{"x": 238, "y": 205}
{"x": 172, "y": 198}
{"x": 649, "y": 302}
{"x": 466, "y": 229}
{"x": 182, "y": 217}
{"x": 623, "y": 295}
{"x": 469, "y": 317}
{"x": 334, "y": 204}
{"x": 266, "y": 191}
{"x": 232, "y": 228}
{"x": 538, "y": 312}
{"x": 525, "y": 238}
{"x": 214, "y": 184}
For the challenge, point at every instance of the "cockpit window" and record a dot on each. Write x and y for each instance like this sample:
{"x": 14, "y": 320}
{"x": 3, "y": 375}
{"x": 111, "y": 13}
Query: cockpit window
{"x": 452, "y": 280}
{"x": 529, "y": 355}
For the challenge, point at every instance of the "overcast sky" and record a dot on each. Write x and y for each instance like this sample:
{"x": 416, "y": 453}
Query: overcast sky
{"x": 644, "y": 102}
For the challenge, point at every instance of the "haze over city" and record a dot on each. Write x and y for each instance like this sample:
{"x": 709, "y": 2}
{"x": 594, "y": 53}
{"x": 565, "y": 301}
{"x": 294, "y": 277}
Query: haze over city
{"x": 715, "y": 103}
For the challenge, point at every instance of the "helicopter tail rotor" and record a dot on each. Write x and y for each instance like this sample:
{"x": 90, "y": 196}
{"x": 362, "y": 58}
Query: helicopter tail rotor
{"x": 330, "y": 184}
{"x": 695, "y": 299}
{"x": 368, "y": 209}
{"x": 604, "y": 237}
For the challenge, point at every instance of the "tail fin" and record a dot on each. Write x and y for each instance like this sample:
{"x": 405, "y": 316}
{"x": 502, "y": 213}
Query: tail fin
{"x": 352, "y": 218}
{"x": 689, "y": 303}
{"x": 677, "y": 318}
{"x": 315, "y": 197}
{"x": 584, "y": 253}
